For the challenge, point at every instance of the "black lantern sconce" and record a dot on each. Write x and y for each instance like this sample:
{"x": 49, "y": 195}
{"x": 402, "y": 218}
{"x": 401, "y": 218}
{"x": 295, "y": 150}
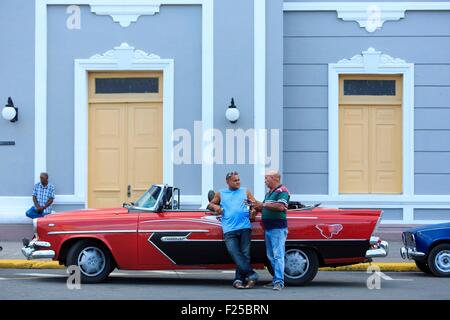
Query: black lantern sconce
{"x": 232, "y": 113}
{"x": 10, "y": 112}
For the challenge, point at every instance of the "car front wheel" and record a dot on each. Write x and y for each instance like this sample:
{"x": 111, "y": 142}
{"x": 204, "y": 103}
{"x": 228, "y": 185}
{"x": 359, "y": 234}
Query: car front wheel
{"x": 93, "y": 260}
{"x": 300, "y": 266}
{"x": 439, "y": 260}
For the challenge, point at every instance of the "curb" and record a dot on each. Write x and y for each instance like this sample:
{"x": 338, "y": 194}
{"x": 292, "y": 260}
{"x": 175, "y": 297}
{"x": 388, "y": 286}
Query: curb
{"x": 29, "y": 264}
{"x": 384, "y": 266}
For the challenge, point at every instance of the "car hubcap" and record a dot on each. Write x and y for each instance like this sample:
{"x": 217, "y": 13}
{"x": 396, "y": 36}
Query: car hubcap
{"x": 296, "y": 263}
{"x": 91, "y": 261}
{"x": 442, "y": 261}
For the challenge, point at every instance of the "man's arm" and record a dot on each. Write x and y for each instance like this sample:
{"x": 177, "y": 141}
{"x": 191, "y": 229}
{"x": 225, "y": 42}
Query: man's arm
{"x": 36, "y": 204}
{"x": 280, "y": 205}
{"x": 214, "y": 205}
{"x": 277, "y": 206}
{"x": 48, "y": 204}
{"x": 252, "y": 201}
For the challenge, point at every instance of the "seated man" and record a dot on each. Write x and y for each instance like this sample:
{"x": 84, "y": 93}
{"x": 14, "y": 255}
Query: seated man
{"x": 237, "y": 228}
{"x": 43, "y": 196}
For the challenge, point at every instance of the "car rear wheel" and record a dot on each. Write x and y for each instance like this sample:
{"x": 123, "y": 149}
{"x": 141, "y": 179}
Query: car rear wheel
{"x": 439, "y": 260}
{"x": 93, "y": 259}
{"x": 423, "y": 266}
{"x": 300, "y": 266}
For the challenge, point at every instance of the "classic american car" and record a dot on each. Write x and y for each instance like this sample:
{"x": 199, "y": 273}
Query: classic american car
{"x": 429, "y": 247}
{"x": 155, "y": 234}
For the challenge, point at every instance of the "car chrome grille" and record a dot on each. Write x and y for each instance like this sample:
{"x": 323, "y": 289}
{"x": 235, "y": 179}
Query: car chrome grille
{"x": 408, "y": 239}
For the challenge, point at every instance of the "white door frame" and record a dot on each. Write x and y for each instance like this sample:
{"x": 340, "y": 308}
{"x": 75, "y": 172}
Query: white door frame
{"x": 371, "y": 62}
{"x": 121, "y": 58}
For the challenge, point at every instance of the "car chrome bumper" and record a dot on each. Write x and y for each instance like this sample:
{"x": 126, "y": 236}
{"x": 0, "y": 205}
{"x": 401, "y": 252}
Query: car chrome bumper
{"x": 410, "y": 253}
{"x": 379, "y": 249}
{"x": 33, "y": 250}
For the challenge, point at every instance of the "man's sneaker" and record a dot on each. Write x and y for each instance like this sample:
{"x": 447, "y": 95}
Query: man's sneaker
{"x": 238, "y": 285}
{"x": 250, "y": 284}
{"x": 268, "y": 285}
{"x": 277, "y": 287}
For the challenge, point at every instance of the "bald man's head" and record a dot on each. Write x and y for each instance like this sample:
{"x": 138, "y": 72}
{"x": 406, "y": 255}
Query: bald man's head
{"x": 272, "y": 178}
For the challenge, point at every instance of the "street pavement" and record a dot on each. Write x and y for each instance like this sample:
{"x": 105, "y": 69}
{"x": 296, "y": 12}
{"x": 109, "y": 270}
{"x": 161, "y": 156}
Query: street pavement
{"x": 209, "y": 285}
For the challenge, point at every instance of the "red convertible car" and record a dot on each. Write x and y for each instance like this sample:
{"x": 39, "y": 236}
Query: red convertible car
{"x": 155, "y": 234}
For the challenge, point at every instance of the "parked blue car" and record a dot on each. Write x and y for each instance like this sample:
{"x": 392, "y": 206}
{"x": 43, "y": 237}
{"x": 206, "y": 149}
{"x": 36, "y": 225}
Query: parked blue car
{"x": 429, "y": 247}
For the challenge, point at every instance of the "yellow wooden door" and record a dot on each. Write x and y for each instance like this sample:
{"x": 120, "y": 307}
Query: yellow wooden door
{"x": 125, "y": 144}
{"x": 370, "y": 149}
{"x": 370, "y": 140}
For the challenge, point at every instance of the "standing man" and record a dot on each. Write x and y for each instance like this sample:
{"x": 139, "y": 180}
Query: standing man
{"x": 43, "y": 196}
{"x": 274, "y": 221}
{"x": 237, "y": 228}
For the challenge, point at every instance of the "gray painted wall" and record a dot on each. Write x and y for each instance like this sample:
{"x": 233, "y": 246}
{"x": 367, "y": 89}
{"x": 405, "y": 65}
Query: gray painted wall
{"x": 314, "y": 39}
{"x": 233, "y": 77}
{"x": 175, "y": 33}
{"x": 274, "y": 75}
{"x": 17, "y": 82}
{"x": 432, "y": 214}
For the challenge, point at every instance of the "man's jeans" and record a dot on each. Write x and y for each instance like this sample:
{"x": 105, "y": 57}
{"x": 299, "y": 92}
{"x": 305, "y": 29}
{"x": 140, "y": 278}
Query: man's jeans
{"x": 238, "y": 245}
{"x": 32, "y": 213}
{"x": 275, "y": 248}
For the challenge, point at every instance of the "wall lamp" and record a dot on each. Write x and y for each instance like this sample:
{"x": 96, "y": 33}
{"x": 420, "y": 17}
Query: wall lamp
{"x": 232, "y": 113}
{"x": 9, "y": 112}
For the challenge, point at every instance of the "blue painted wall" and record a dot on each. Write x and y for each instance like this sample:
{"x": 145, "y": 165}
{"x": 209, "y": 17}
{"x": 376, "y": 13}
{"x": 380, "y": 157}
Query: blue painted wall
{"x": 314, "y": 39}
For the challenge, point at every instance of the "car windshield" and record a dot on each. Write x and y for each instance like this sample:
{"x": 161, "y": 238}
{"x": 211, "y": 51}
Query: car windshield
{"x": 149, "y": 198}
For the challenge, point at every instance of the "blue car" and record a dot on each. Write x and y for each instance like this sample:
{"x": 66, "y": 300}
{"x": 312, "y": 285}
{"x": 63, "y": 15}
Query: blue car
{"x": 429, "y": 247}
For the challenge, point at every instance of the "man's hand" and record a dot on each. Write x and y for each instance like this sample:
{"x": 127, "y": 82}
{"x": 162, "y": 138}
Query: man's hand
{"x": 258, "y": 206}
{"x": 253, "y": 214}
{"x": 39, "y": 209}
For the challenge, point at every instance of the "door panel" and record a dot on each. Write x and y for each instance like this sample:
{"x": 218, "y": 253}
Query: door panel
{"x": 386, "y": 149}
{"x": 107, "y": 157}
{"x": 144, "y": 146}
{"x": 354, "y": 139}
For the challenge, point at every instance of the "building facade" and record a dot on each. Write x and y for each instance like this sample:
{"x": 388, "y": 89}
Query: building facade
{"x": 351, "y": 99}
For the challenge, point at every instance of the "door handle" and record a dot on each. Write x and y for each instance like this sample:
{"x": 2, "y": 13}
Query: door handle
{"x": 129, "y": 191}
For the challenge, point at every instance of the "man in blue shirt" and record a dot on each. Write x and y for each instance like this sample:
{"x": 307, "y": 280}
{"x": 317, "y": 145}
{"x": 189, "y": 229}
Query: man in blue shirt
{"x": 43, "y": 196}
{"x": 231, "y": 203}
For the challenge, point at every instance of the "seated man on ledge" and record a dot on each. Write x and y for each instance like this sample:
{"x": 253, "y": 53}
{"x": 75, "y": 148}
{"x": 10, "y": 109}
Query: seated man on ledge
{"x": 43, "y": 196}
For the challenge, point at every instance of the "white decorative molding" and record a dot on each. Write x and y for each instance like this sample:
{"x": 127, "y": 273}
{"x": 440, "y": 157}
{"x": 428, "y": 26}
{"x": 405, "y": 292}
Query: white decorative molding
{"x": 371, "y": 62}
{"x": 369, "y": 15}
{"x": 121, "y": 58}
{"x": 125, "y": 14}
{"x": 126, "y": 55}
